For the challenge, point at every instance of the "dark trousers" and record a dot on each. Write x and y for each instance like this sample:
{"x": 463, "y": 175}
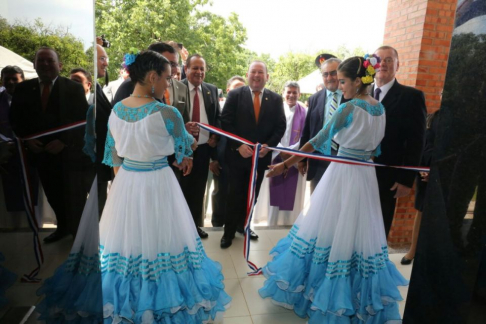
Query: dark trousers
{"x": 237, "y": 197}
{"x": 194, "y": 185}
{"x": 66, "y": 188}
{"x": 51, "y": 175}
{"x": 385, "y": 181}
{"x": 219, "y": 197}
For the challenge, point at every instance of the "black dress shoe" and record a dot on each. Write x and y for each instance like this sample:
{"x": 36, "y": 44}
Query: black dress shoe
{"x": 226, "y": 242}
{"x": 201, "y": 232}
{"x": 253, "y": 235}
{"x": 406, "y": 261}
{"x": 56, "y": 236}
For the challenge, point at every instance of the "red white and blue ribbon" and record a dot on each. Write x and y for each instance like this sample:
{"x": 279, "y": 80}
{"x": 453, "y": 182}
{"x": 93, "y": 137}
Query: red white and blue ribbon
{"x": 250, "y": 205}
{"x": 252, "y": 185}
{"x": 28, "y": 195}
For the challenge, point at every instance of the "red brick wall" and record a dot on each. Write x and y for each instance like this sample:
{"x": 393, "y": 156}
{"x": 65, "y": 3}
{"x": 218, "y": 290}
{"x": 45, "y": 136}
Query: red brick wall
{"x": 421, "y": 32}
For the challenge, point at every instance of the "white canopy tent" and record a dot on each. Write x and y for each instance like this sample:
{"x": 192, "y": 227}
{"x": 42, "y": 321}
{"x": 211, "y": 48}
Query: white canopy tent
{"x": 309, "y": 83}
{"x": 7, "y": 57}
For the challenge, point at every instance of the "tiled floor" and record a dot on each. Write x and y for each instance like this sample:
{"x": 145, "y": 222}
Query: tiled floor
{"x": 247, "y": 306}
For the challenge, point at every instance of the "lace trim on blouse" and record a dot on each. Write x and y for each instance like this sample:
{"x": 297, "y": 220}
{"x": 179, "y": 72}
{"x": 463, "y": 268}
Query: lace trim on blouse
{"x": 342, "y": 118}
{"x": 173, "y": 122}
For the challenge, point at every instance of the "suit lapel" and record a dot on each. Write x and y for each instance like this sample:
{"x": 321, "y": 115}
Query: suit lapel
{"x": 208, "y": 102}
{"x": 389, "y": 101}
{"x": 36, "y": 94}
{"x": 246, "y": 94}
{"x": 322, "y": 104}
{"x": 263, "y": 104}
{"x": 59, "y": 89}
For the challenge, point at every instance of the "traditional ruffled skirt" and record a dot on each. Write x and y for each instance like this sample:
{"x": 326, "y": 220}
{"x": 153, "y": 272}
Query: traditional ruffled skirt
{"x": 333, "y": 267}
{"x": 152, "y": 267}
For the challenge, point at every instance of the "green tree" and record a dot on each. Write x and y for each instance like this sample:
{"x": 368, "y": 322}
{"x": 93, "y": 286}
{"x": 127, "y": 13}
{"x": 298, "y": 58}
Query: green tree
{"x": 219, "y": 41}
{"x": 290, "y": 67}
{"x": 25, "y": 38}
{"x": 136, "y": 24}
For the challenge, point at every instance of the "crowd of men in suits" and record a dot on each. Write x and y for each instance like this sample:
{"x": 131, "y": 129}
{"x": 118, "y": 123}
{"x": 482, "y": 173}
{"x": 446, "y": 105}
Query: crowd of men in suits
{"x": 250, "y": 111}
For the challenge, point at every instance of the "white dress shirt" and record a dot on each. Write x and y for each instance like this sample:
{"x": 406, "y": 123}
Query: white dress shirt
{"x": 384, "y": 89}
{"x": 203, "y": 117}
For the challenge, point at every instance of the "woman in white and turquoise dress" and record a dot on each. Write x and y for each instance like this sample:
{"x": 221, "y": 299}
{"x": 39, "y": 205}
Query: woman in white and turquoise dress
{"x": 333, "y": 267}
{"x": 152, "y": 264}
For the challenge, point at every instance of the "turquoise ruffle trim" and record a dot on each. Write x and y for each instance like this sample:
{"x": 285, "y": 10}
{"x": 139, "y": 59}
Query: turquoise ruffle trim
{"x": 356, "y": 290}
{"x": 73, "y": 293}
{"x": 193, "y": 296}
{"x": 193, "y": 293}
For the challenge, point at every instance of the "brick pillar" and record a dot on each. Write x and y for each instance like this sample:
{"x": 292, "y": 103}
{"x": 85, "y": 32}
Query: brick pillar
{"x": 421, "y": 32}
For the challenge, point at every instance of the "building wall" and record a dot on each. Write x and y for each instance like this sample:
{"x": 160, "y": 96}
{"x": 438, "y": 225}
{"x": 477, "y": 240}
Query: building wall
{"x": 421, "y": 32}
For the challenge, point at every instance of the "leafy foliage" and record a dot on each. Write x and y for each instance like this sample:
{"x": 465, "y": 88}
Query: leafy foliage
{"x": 138, "y": 23}
{"x": 25, "y": 38}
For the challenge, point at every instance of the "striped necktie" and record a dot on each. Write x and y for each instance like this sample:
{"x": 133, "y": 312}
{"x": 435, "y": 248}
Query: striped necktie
{"x": 332, "y": 110}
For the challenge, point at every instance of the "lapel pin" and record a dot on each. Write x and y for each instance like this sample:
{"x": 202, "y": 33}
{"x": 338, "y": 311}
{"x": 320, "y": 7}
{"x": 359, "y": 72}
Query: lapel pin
{"x": 266, "y": 98}
{"x": 209, "y": 92}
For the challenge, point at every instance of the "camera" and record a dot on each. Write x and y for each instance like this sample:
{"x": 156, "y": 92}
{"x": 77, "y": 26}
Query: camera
{"x": 106, "y": 43}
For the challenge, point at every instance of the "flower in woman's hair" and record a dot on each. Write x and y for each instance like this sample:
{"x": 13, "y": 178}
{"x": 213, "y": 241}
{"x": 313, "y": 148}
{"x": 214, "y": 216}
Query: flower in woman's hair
{"x": 378, "y": 59}
{"x": 129, "y": 59}
{"x": 367, "y": 79}
{"x": 366, "y": 64}
{"x": 366, "y": 56}
{"x": 371, "y": 70}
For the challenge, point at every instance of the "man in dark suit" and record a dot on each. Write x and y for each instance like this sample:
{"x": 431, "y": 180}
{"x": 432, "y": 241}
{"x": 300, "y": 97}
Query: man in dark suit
{"x": 404, "y": 133}
{"x": 320, "y": 105}
{"x": 103, "y": 111}
{"x": 256, "y": 114}
{"x": 82, "y": 76}
{"x": 65, "y": 172}
{"x": 204, "y": 108}
{"x": 219, "y": 167}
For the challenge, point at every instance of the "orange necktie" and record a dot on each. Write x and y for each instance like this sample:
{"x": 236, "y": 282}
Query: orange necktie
{"x": 167, "y": 96}
{"x": 256, "y": 104}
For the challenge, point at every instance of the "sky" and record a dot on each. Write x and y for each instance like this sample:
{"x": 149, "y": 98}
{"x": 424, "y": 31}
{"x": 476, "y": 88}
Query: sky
{"x": 274, "y": 27}
{"x": 76, "y": 15}
{"x": 306, "y": 26}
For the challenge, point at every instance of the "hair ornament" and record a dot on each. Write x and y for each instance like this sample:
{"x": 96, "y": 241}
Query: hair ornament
{"x": 371, "y": 64}
{"x": 130, "y": 57}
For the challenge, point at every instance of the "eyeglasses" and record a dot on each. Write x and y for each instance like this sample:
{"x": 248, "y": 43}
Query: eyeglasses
{"x": 332, "y": 73}
{"x": 103, "y": 59}
{"x": 389, "y": 60}
{"x": 173, "y": 64}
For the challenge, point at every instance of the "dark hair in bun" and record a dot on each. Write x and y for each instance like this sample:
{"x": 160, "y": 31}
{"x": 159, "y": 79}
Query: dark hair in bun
{"x": 145, "y": 62}
{"x": 353, "y": 68}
